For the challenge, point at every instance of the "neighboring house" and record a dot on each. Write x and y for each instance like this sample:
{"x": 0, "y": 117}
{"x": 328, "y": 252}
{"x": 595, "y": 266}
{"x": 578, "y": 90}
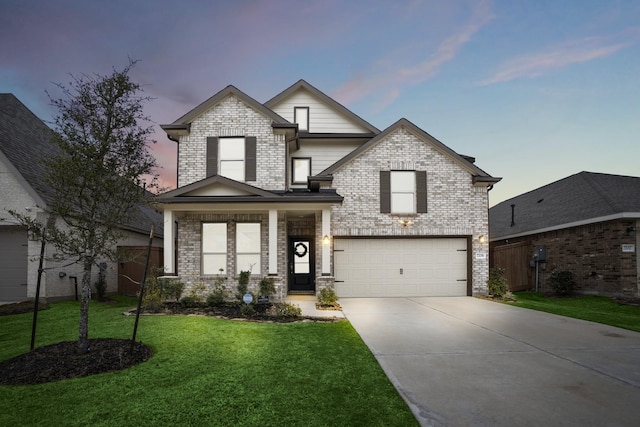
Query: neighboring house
{"x": 585, "y": 223}
{"x": 303, "y": 190}
{"x": 24, "y": 141}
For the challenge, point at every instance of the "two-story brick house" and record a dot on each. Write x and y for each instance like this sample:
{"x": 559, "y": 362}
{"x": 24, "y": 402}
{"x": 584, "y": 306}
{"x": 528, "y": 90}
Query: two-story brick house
{"x": 303, "y": 190}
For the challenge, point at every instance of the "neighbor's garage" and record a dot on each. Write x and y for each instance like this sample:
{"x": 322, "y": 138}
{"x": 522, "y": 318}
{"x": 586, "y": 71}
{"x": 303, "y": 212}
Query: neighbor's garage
{"x": 13, "y": 264}
{"x": 410, "y": 267}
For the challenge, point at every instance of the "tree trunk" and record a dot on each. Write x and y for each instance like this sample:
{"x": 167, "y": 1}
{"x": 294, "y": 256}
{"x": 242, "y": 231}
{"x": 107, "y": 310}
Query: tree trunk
{"x": 83, "y": 328}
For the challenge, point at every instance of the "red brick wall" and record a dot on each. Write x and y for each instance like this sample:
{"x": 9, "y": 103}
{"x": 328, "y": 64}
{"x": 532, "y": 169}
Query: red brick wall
{"x": 593, "y": 253}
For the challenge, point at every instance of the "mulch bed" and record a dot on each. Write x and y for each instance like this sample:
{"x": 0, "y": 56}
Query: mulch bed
{"x": 62, "y": 361}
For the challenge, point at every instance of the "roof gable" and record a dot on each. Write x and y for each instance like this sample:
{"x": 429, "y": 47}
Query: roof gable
{"x": 340, "y": 110}
{"x": 585, "y": 197}
{"x": 478, "y": 174}
{"x": 189, "y": 117}
{"x": 216, "y": 185}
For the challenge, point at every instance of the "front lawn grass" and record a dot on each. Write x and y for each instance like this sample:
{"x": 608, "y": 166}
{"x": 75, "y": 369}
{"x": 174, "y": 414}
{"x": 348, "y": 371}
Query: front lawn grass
{"x": 205, "y": 372}
{"x": 593, "y": 308}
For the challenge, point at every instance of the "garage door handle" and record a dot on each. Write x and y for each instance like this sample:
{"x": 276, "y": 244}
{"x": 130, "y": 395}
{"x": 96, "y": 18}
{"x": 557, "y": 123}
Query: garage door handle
{"x": 338, "y": 281}
{"x": 461, "y": 280}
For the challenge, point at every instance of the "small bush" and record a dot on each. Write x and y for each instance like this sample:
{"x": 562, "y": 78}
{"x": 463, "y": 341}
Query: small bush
{"x": 243, "y": 283}
{"x": 152, "y": 300}
{"x": 267, "y": 286}
{"x": 562, "y": 282}
{"x": 101, "y": 284}
{"x": 197, "y": 292}
{"x": 247, "y": 310}
{"x": 497, "y": 283}
{"x": 189, "y": 302}
{"x": 327, "y": 296}
{"x": 285, "y": 310}
{"x": 172, "y": 288}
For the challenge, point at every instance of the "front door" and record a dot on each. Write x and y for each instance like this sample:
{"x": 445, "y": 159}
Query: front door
{"x": 301, "y": 265}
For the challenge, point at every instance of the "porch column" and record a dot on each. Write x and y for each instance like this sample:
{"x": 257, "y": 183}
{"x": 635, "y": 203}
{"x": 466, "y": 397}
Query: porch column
{"x": 326, "y": 246}
{"x": 273, "y": 241}
{"x": 169, "y": 242}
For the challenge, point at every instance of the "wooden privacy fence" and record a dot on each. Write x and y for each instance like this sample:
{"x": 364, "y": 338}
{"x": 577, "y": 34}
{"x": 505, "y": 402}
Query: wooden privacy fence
{"x": 131, "y": 264}
{"x": 514, "y": 258}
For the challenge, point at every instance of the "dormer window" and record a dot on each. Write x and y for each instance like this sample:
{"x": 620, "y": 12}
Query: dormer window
{"x": 301, "y": 117}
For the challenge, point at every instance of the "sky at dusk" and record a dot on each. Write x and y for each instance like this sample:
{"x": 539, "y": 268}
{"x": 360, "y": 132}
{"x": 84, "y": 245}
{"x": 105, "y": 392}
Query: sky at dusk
{"x": 535, "y": 90}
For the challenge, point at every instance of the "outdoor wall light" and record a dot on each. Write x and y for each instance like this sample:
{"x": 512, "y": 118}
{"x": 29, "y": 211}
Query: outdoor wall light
{"x": 326, "y": 239}
{"x": 62, "y": 274}
{"x": 630, "y": 230}
{"x": 481, "y": 239}
{"x": 405, "y": 222}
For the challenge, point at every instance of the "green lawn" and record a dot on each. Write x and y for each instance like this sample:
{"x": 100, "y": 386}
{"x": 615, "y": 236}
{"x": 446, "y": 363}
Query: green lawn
{"x": 593, "y": 308}
{"x": 205, "y": 372}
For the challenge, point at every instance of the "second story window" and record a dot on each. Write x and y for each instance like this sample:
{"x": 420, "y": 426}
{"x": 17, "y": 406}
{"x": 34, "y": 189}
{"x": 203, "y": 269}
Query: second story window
{"x": 231, "y": 158}
{"x": 301, "y": 117}
{"x": 234, "y": 157}
{"x": 300, "y": 170}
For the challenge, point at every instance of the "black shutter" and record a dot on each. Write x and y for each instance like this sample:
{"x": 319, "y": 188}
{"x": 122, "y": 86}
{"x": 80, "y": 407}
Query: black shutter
{"x": 212, "y": 155}
{"x": 250, "y": 158}
{"x": 385, "y": 191}
{"x": 421, "y": 191}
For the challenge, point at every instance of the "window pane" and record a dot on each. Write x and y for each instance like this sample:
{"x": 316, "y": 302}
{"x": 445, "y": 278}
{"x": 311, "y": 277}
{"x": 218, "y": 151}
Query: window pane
{"x": 403, "y": 203}
{"x": 233, "y": 169}
{"x": 214, "y": 237}
{"x": 248, "y": 262}
{"x": 212, "y": 263}
{"x": 403, "y": 181}
{"x": 248, "y": 237}
{"x": 231, "y": 148}
{"x": 301, "y": 169}
{"x": 301, "y": 263}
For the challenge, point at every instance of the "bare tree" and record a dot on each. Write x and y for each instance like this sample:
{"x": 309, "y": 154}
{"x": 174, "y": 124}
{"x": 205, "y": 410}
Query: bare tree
{"x": 96, "y": 181}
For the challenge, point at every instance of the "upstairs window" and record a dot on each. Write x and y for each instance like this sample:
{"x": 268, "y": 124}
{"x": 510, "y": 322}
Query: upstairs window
{"x": 300, "y": 170}
{"x": 403, "y": 192}
{"x": 231, "y": 158}
{"x": 234, "y": 158}
{"x": 301, "y": 117}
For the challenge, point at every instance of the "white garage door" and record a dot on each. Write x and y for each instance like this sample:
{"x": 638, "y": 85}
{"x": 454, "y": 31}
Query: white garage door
{"x": 13, "y": 264}
{"x": 400, "y": 267}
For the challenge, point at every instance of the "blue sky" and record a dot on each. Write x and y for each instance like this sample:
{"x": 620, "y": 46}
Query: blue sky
{"x": 536, "y": 90}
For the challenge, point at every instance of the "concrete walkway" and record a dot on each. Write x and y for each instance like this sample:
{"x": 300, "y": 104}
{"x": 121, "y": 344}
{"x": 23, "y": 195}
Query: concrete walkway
{"x": 471, "y": 362}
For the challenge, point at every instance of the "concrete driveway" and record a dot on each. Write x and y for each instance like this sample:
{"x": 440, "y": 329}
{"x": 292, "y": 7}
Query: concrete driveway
{"x": 464, "y": 361}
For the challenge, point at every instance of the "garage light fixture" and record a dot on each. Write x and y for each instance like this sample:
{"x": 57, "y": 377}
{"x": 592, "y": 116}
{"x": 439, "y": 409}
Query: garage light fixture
{"x": 405, "y": 222}
{"x": 481, "y": 239}
{"x": 326, "y": 240}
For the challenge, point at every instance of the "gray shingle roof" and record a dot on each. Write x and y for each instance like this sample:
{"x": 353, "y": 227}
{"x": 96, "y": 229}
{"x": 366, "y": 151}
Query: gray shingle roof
{"x": 580, "y": 198}
{"x": 26, "y": 141}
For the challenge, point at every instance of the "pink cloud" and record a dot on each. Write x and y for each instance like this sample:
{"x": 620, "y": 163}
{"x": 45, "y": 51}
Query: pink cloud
{"x": 389, "y": 74}
{"x": 573, "y": 52}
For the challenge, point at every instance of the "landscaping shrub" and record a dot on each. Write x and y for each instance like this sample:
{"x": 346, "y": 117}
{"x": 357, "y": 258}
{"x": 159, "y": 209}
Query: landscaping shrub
{"x": 267, "y": 286}
{"x": 327, "y": 296}
{"x": 247, "y": 310}
{"x": 285, "y": 310}
{"x": 562, "y": 282}
{"x": 172, "y": 288}
{"x": 189, "y": 302}
{"x": 197, "y": 292}
{"x": 101, "y": 284}
{"x": 497, "y": 283}
{"x": 243, "y": 283}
